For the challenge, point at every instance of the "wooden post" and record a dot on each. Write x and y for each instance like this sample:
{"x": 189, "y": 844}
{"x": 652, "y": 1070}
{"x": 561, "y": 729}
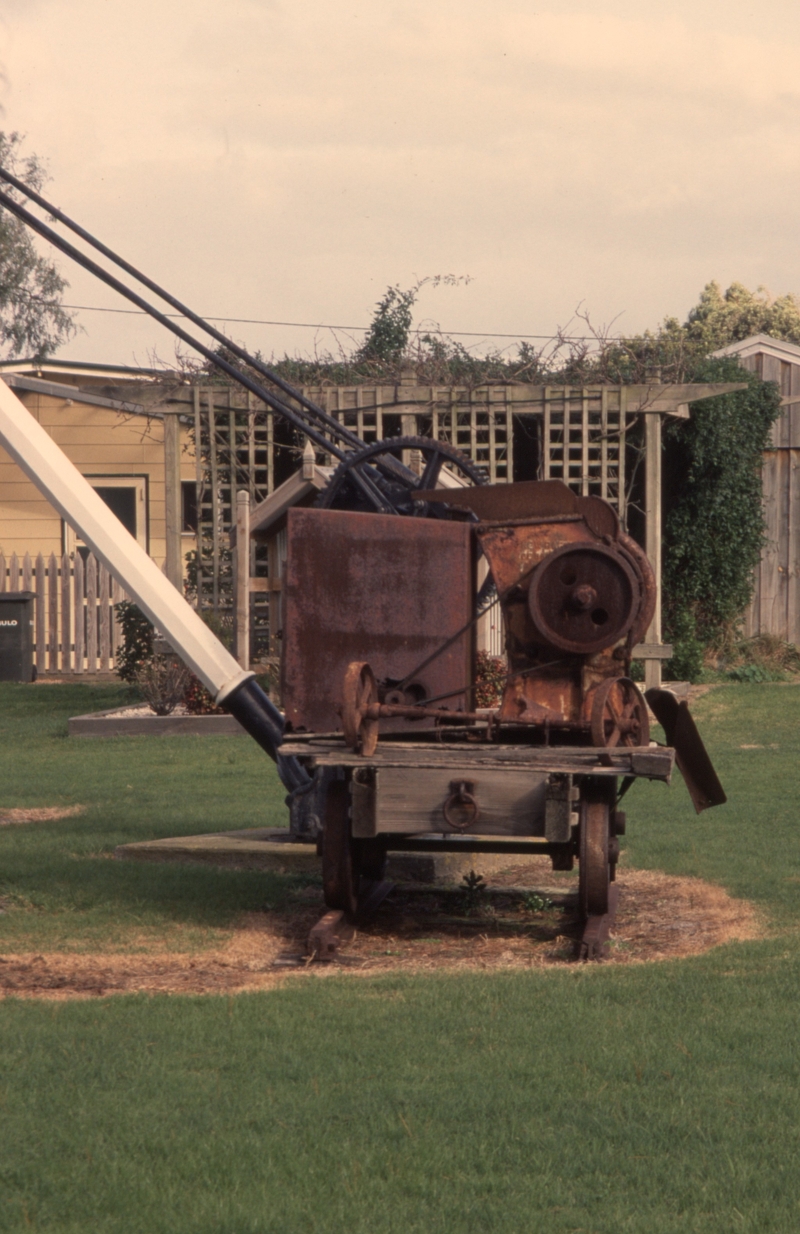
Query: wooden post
{"x": 172, "y": 498}
{"x": 652, "y": 439}
{"x": 242, "y": 577}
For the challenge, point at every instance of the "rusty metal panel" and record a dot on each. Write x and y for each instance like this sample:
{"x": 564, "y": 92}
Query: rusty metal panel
{"x": 373, "y": 587}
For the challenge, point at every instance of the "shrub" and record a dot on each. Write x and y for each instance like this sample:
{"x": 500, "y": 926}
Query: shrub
{"x": 162, "y": 681}
{"x": 137, "y": 640}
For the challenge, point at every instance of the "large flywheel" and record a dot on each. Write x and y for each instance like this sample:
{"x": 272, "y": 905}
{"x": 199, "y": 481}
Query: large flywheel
{"x": 430, "y": 459}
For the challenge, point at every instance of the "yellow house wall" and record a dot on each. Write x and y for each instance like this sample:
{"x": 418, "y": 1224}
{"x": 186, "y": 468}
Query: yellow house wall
{"x": 99, "y": 441}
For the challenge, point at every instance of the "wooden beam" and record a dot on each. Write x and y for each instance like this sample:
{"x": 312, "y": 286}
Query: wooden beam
{"x": 242, "y": 561}
{"x": 172, "y": 498}
{"x": 652, "y": 666}
{"x": 652, "y": 651}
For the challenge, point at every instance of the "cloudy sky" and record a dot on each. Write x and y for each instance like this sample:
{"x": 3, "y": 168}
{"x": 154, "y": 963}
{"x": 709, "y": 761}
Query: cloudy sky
{"x": 286, "y": 161}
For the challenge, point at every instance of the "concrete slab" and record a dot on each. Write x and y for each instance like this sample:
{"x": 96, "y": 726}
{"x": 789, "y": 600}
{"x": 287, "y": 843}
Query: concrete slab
{"x": 253, "y": 849}
{"x": 266, "y": 848}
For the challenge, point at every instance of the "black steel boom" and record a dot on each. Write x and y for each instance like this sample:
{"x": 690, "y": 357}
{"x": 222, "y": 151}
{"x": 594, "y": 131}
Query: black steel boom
{"x": 310, "y": 419}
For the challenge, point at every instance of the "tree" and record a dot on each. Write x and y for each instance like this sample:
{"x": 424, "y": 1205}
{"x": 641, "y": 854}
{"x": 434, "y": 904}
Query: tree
{"x": 32, "y": 320}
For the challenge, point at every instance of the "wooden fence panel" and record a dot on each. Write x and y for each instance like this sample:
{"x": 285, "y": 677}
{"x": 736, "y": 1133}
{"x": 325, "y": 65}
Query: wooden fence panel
{"x": 66, "y": 616}
{"x": 105, "y": 624}
{"x": 91, "y": 615}
{"x": 79, "y": 611}
{"x": 40, "y": 617}
{"x": 775, "y": 607}
{"x": 52, "y": 614}
{"x": 76, "y": 629}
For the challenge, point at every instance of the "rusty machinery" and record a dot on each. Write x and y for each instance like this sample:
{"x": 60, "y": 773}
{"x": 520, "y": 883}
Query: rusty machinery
{"x": 383, "y": 747}
{"x": 378, "y": 660}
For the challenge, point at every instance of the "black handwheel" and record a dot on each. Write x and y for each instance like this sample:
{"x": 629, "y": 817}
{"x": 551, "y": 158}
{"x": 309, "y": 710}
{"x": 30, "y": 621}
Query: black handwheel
{"x": 342, "y": 492}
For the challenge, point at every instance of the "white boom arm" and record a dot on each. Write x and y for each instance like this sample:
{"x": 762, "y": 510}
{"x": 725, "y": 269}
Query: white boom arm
{"x": 75, "y": 499}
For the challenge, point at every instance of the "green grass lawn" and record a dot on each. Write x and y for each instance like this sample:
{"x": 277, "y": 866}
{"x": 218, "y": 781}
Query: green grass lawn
{"x": 653, "y": 1098}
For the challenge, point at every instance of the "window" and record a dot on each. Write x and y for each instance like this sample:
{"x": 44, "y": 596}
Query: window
{"x": 122, "y": 503}
{"x": 126, "y": 498}
{"x": 188, "y": 506}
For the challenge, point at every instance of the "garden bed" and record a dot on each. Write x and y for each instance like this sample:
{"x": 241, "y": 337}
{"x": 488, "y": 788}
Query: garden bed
{"x": 142, "y": 722}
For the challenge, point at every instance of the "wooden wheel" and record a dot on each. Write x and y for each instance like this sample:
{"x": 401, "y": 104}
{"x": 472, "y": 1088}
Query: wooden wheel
{"x": 595, "y": 868}
{"x": 359, "y": 692}
{"x": 339, "y": 874}
{"x": 619, "y": 714}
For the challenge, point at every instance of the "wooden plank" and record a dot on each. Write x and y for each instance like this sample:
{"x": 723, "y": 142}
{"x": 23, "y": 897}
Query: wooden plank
{"x": 41, "y": 616}
{"x": 172, "y": 498}
{"x": 105, "y": 616}
{"x": 242, "y": 577}
{"x": 52, "y": 614}
{"x": 27, "y": 573}
{"x": 622, "y": 504}
{"x": 604, "y": 444}
{"x": 79, "y": 612}
{"x": 378, "y": 413}
{"x": 652, "y": 651}
{"x": 492, "y": 439}
{"x": 769, "y": 556}
{"x": 546, "y": 434}
{"x": 509, "y": 438}
{"x": 510, "y": 802}
{"x": 652, "y": 464}
{"x": 13, "y": 573}
{"x": 780, "y": 617}
{"x": 793, "y": 560}
{"x": 91, "y": 614}
{"x": 654, "y": 763}
{"x": 199, "y": 494}
{"x": 584, "y": 443}
{"x": 66, "y": 615}
{"x": 215, "y": 525}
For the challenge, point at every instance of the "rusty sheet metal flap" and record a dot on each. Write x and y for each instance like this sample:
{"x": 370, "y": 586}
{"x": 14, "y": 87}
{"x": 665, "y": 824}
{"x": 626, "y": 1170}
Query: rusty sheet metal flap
{"x": 530, "y": 499}
{"x": 377, "y": 588}
{"x": 691, "y": 755}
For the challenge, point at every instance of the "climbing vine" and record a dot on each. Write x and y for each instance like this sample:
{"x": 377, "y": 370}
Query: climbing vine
{"x": 713, "y": 518}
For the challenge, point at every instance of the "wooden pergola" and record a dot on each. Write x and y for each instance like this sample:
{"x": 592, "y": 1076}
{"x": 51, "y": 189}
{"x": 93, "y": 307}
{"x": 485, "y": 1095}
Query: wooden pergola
{"x": 584, "y": 433}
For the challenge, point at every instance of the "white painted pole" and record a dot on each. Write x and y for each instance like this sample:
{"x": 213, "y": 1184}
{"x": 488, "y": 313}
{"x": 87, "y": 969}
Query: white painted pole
{"x": 76, "y": 501}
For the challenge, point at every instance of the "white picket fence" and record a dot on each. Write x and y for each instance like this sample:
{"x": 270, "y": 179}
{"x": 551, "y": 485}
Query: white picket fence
{"x": 76, "y": 630}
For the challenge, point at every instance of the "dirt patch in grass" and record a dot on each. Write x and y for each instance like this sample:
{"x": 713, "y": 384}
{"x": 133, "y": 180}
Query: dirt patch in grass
{"x": 523, "y": 920}
{"x": 39, "y": 814}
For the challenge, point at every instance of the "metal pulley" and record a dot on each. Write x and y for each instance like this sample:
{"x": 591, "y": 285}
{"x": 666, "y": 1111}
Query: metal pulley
{"x": 583, "y": 598}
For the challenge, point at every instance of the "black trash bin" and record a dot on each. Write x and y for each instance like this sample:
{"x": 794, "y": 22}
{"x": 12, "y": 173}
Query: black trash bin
{"x": 16, "y": 636}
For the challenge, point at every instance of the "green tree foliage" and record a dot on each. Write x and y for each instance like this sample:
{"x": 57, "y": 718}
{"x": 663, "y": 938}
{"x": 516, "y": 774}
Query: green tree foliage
{"x": 387, "y": 338}
{"x": 32, "y": 321}
{"x": 675, "y": 349}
